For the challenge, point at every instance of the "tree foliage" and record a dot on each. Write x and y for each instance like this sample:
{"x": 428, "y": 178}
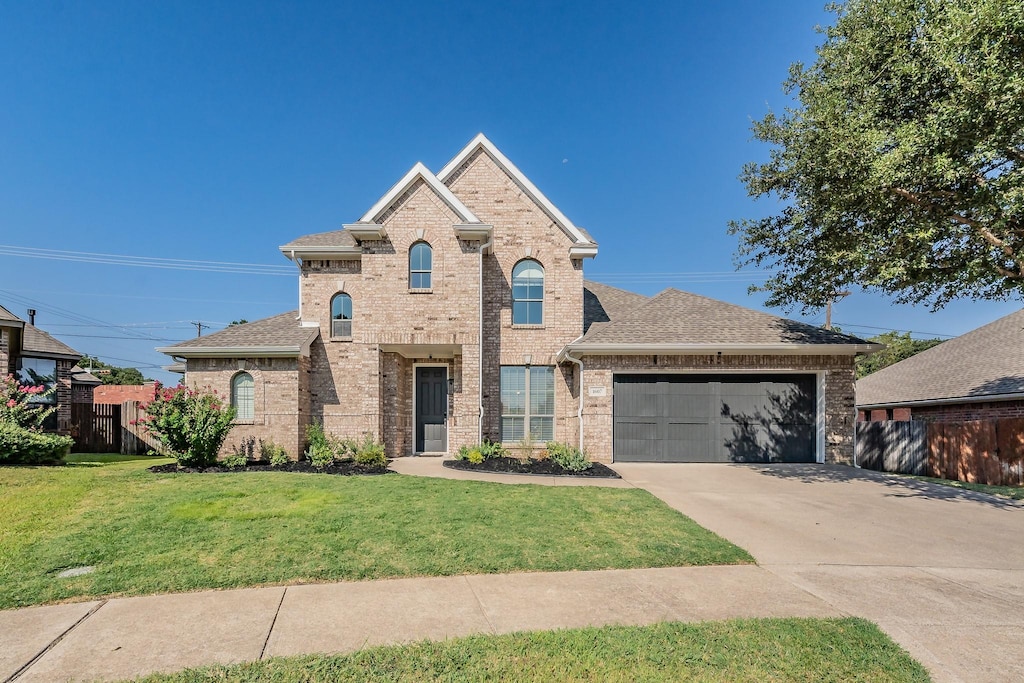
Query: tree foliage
{"x": 900, "y": 168}
{"x": 116, "y": 375}
{"x": 897, "y": 347}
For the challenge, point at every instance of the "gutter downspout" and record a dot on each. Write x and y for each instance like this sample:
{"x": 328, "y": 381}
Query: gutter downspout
{"x": 299, "y": 266}
{"x": 579, "y": 411}
{"x": 480, "y": 344}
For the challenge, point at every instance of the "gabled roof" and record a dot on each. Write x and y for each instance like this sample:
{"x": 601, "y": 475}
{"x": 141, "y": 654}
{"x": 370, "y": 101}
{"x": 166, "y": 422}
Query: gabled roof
{"x": 680, "y": 322}
{"x": 481, "y": 142}
{"x": 604, "y": 303}
{"x": 419, "y": 172}
{"x": 334, "y": 238}
{"x": 8, "y": 317}
{"x": 984, "y": 364}
{"x": 278, "y": 336}
{"x": 35, "y": 342}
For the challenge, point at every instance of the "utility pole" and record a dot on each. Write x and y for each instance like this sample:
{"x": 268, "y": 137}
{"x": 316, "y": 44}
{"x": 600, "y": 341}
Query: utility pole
{"x": 199, "y": 327}
{"x": 828, "y": 308}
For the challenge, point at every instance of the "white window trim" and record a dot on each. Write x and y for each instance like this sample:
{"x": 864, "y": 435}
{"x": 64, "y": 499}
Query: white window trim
{"x": 526, "y": 404}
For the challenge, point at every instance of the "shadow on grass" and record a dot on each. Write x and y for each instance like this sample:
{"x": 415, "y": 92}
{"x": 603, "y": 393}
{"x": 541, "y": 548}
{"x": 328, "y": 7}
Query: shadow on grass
{"x": 899, "y": 485}
{"x": 101, "y": 459}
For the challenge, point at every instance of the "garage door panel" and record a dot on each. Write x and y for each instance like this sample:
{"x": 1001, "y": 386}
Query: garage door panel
{"x": 714, "y": 418}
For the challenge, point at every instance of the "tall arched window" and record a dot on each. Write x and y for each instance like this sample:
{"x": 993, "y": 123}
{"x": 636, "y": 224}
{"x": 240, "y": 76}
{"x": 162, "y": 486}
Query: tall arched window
{"x": 243, "y": 396}
{"x": 341, "y": 315}
{"x": 528, "y": 293}
{"x": 421, "y": 261}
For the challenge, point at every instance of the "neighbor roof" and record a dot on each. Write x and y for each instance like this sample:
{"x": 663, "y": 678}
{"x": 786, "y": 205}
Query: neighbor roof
{"x": 35, "y": 342}
{"x": 7, "y": 316}
{"x": 985, "y": 363}
{"x": 279, "y": 335}
{"x": 334, "y": 238}
{"x": 80, "y": 375}
{"x": 680, "y": 322}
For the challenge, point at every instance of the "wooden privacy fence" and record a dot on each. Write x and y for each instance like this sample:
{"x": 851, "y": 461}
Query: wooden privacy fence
{"x": 893, "y": 446}
{"x": 110, "y": 428}
{"x": 978, "y": 451}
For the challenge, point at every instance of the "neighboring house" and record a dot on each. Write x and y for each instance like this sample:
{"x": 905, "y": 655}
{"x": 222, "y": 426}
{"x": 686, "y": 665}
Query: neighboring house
{"x": 83, "y": 384}
{"x": 455, "y": 309}
{"x": 976, "y": 376}
{"x": 35, "y": 357}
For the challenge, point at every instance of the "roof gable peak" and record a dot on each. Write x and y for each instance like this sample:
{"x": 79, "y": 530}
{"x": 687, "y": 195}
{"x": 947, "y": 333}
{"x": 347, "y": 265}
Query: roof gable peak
{"x": 518, "y": 177}
{"x": 419, "y": 172}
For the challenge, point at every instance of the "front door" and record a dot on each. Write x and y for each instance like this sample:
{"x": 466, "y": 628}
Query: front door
{"x": 431, "y": 410}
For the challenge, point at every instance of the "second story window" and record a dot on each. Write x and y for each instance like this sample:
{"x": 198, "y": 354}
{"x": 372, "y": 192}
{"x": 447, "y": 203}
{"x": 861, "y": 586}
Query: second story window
{"x": 421, "y": 261}
{"x": 341, "y": 315}
{"x": 528, "y": 293}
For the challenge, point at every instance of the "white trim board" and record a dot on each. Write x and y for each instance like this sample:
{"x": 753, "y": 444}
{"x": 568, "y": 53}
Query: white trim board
{"x": 419, "y": 171}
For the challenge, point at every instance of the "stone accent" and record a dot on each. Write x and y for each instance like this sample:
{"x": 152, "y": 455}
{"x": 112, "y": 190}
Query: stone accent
{"x": 838, "y": 404}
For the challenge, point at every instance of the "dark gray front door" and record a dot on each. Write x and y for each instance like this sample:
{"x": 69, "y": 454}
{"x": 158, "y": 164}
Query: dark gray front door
{"x": 431, "y": 410}
{"x": 714, "y": 418}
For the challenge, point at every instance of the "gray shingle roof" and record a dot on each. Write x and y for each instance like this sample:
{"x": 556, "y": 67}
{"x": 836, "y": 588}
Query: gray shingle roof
{"x": 80, "y": 375}
{"x": 988, "y": 361}
{"x": 35, "y": 341}
{"x": 675, "y": 317}
{"x": 604, "y": 303}
{"x": 277, "y": 331}
{"x": 335, "y": 238}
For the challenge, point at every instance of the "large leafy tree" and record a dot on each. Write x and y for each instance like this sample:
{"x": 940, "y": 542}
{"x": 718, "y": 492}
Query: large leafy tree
{"x": 113, "y": 374}
{"x": 897, "y": 347}
{"x": 900, "y": 167}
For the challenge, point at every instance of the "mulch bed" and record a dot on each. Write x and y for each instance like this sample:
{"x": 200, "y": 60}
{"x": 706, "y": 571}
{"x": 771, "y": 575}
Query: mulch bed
{"x": 547, "y": 468}
{"x": 345, "y": 468}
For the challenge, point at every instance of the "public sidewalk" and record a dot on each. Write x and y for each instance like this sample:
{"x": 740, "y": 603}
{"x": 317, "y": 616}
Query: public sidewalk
{"x": 128, "y": 637}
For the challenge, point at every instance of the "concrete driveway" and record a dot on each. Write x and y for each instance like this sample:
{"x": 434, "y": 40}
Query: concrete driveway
{"x": 939, "y": 569}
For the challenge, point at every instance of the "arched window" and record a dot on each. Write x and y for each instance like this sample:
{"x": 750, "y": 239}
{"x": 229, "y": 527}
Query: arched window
{"x": 243, "y": 396}
{"x": 421, "y": 260}
{"x": 528, "y": 293}
{"x": 341, "y": 315}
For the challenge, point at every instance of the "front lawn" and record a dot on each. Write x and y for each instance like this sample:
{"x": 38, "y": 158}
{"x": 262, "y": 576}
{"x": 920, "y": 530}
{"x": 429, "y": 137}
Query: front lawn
{"x": 758, "y": 650}
{"x": 155, "y": 533}
{"x": 1014, "y": 492}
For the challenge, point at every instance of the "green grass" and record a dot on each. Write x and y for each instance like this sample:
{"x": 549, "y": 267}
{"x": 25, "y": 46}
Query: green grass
{"x": 740, "y": 650}
{"x": 1014, "y": 492}
{"x": 154, "y": 533}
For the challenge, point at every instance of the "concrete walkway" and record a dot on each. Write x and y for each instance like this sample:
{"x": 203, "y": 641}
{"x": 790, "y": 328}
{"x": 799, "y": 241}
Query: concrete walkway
{"x": 939, "y": 569}
{"x": 128, "y": 637}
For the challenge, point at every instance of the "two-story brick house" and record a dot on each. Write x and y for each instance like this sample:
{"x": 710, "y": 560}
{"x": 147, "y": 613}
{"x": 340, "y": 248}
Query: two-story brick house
{"x": 455, "y": 309}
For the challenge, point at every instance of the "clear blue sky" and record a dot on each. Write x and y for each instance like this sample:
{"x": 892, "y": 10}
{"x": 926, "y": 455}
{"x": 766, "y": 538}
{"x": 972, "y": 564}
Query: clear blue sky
{"x": 220, "y": 130}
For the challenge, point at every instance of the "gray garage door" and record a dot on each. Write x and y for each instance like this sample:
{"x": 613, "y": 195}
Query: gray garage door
{"x": 714, "y": 418}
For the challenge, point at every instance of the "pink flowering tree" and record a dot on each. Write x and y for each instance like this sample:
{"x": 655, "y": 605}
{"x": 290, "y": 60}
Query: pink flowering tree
{"x": 191, "y": 424}
{"x": 17, "y": 405}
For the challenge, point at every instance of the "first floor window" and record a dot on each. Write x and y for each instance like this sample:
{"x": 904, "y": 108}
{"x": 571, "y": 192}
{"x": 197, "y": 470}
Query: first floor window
{"x": 243, "y": 396}
{"x": 527, "y": 403}
{"x": 39, "y": 372}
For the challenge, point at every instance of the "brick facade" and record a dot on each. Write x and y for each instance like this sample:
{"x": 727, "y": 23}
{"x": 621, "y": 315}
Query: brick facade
{"x": 365, "y": 383}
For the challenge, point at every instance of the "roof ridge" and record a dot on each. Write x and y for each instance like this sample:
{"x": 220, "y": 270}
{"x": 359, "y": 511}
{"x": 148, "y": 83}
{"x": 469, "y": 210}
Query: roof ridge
{"x": 419, "y": 170}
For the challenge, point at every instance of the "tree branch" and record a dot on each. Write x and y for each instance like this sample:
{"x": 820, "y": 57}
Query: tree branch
{"x": 985, "y": 233}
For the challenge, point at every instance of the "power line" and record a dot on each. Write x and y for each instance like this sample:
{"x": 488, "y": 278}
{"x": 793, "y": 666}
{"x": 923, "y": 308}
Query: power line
{"x": 889, "y": 329}
{"x": 68, "y": 314}
{"x": 147, "y": 261}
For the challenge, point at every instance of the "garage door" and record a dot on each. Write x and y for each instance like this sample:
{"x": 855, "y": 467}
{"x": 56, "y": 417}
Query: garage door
{"x": 714, "y": 418}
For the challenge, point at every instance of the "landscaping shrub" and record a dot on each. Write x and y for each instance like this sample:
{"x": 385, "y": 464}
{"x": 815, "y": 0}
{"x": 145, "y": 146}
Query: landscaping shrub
{"x": 320, "y": 452}
{"x": 235, "y": 461}
{"x": 21, "y": 417}
{"x": 568, "y": 457}
{"x": 492, "y": 449}
{"x": 273, "y": 453}
{"x": 245, "y": 450}
{"x": 475, "y": 456}
{"x": 192, "y": 425}
{"x": 484, "y": 450}
{"x": 371, "y": 453}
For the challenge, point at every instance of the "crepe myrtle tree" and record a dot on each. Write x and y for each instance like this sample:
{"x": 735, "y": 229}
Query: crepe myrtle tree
{"x": 191, "y": 424}
{"x": 900, "y": 166}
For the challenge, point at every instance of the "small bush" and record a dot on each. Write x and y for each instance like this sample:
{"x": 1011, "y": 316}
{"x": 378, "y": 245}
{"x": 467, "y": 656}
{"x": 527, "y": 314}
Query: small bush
{"x": 371, "y": 453}
{"x": 492, "y": 449}
{"x": 273, "y": 453}
{"x": 479, "y": 452}
{"x": 30, "y": 447}
{"x": 568, "y": 457}
{"x": 246, "y": 449}
{"x": 235, "y": 461}
{"x": 475, "y": 456}
{"x": 345, "y": 449}
{"x": 191, "y": 424}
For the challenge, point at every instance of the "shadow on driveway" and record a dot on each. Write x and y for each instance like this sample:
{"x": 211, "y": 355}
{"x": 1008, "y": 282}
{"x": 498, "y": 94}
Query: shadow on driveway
{"x": 901, "y": 486}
